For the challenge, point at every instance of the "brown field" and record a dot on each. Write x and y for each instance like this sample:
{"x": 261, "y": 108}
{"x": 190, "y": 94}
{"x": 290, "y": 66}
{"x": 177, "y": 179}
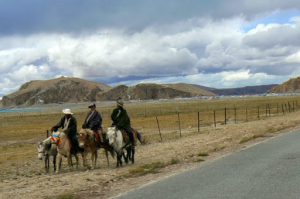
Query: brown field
{"x": 182, "y": 146}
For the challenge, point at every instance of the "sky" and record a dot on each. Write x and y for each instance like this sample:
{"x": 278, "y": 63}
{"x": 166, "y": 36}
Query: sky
{"x": 214, "y": 43}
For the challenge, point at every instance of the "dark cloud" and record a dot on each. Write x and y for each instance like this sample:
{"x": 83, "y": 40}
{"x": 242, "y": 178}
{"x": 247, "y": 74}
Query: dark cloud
{"x": 31, "y": 16}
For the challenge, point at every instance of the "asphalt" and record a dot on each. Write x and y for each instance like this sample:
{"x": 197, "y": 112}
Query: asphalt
{"x": 269, "y": 170}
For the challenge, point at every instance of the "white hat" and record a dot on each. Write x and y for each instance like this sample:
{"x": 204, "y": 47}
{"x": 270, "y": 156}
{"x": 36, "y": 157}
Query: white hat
{"x": 67, "y": 111}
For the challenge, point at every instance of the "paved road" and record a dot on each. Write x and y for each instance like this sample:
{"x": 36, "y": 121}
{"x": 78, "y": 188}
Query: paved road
{"x": 269, "y": 170}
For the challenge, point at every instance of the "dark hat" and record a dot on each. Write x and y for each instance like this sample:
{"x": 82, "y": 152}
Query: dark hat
{"x": 120, "y": 102}
{"x": 92, "y": 105}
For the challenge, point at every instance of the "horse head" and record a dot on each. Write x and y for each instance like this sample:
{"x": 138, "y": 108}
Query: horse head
{"x": 41, "y": 150}
{"x": 111, "y": 135}
{"x": 85, "y": 135}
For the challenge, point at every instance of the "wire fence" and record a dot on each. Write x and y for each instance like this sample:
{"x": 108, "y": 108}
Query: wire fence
{"x": 161, "y": 125}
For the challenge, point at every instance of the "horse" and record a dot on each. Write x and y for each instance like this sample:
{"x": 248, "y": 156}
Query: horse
{"x": 117, "y": 141}
{"x": 88, "y": 143}
{"x": 64, "y": 149}
{"x": 46, "y": 149}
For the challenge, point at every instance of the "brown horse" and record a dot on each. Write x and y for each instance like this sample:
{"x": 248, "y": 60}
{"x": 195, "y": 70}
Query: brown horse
{"x": 88, "y": 143}
{"x": 64, "y": 149}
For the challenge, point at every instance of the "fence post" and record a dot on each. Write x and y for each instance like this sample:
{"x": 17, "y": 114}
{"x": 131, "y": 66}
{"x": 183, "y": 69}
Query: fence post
{"x": 225, "y": 117}
{"x": 282, "y": 108}
{"x": 47, "y": 133}
{"x": 246, "y": 114}
{"x": 258, "y": 116}
{"x": 158, "y": 128}
{"x": 289, "y": 107}
{"x": 269, "y": 106}
{"x": 198, "y": 122}
{"x": 179, "y": 123}
{"x": 277, "y": 109}
{"x": 293, "y": 106}
{"x": 215, "y": 119}
{"x": 235, "y": 115}
{"x": 266, "y": 110}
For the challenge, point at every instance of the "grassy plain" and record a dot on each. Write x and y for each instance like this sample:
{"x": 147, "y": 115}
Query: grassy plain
{"x": 20, "y": 132}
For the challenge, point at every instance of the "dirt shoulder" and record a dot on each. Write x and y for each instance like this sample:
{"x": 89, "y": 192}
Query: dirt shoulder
{"x": 154, "y": 161}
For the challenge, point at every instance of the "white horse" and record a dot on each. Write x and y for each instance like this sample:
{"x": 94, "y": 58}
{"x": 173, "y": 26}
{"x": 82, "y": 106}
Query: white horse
{"x": 116, "y": 140}
{"x": 46, "y": 149}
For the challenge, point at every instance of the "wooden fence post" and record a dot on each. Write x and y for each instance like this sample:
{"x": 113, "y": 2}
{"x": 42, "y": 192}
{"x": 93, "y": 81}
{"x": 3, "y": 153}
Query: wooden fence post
{"x": 258, "y": 116}
{"x": 198, "y": 122}
{"x": 246, "y": 114}
{"x": 215, "y": 123}
{"x": 282, "y": 108}
{"x": 158, "y": 129}
{"x": 235, "y": 115}
{"x": 179, "y": 123}
{"x": 225, "y": 117}
{"x": 47, "y": 133}
{"x": 293, "y": 106}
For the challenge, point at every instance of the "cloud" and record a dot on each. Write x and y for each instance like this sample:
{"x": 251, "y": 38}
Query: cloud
{"x": 73, "y": 16}
{"x": 211, "y": 48}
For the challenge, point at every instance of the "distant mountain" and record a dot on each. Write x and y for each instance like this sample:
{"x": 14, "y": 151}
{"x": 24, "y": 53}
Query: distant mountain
{"x": 290, "y": 86}
{"x": 63, "y": 89}
{"x": 154, "y": 91}
{"x": 248, "y": 90}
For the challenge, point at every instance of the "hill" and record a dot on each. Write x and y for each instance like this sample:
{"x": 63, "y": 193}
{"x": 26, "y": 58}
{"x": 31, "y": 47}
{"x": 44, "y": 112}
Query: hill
{"x": 248, "y": 90}
{"x": 154, "y": 91}
{"x": 290, "y": 86}
{"x": 68, "y": 89}
{"x": 60, "y": 90}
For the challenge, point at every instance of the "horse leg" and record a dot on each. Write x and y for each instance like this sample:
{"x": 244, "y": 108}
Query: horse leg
{"x": 59, "y": 163}
{"x": 77, "y": 161}
{"x": 106, "y": 154}
{"x": 132, "y": 154}
{"x": 125, "y": 156}
{"x": 84, "y": 154}
{"x": 119, "y": 159}
{"x": 95, "y": 158}
{"x": 54, "y": 163}
{"x": 47, "y": 163}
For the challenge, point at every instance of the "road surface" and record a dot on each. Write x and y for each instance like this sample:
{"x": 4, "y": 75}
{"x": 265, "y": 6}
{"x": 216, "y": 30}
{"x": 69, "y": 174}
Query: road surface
{"x": 269, "y": 170}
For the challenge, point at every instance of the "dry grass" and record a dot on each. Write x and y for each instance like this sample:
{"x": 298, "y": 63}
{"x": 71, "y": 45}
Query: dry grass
{"x": 19, "y": 135}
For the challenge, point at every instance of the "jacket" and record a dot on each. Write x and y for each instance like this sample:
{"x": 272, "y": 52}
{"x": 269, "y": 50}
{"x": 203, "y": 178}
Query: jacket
{"x": 120, "y": 118}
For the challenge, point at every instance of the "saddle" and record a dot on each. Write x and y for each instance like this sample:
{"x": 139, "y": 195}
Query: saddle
{"x": 54, "y": 138}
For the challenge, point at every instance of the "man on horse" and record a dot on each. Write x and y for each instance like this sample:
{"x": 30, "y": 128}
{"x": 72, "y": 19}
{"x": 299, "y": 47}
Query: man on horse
{"x": 93, "y": 121}
{"x": 121, "y": 120}
{"x": 68, "y": 124}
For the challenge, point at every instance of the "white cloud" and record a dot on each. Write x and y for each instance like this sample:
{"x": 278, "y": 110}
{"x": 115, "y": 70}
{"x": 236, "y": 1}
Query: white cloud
{"x": 198, "y": 50}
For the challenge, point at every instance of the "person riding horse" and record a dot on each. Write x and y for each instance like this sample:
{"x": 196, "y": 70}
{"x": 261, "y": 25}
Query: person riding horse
{"x": 93, "y": 121}
{"x": 68, "y": 124}
{"x": 121, "y": 120}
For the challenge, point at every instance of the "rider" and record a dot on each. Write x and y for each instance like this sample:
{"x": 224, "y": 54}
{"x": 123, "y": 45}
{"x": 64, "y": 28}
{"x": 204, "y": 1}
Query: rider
{"x": 121, "y": 119}
{"x": 93, "y": 121}
{"x": 68, "y": 124}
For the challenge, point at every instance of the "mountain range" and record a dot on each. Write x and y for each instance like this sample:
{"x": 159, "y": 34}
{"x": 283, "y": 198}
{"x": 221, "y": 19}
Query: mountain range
{"x": 70, "y": 89}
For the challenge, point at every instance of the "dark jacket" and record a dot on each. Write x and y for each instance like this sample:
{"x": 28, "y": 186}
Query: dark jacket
{"x": 72, "y": 127}
{"x": 120, "y": 118}
{"x": 93, "y": 120}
